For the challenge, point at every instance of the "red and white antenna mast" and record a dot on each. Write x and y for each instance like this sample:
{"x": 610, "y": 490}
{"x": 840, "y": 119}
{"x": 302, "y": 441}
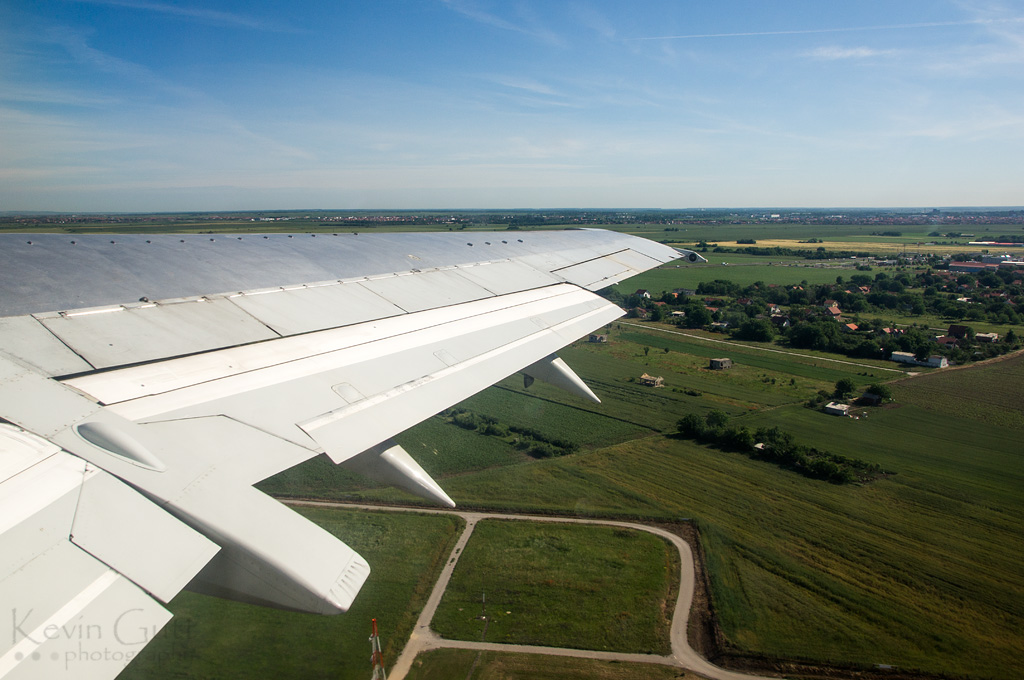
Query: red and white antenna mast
{"x": 376, "y": 656}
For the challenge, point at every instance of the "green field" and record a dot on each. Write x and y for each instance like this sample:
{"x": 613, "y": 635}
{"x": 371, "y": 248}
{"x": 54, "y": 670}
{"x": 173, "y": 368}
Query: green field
{"x": 444, "y": 664}
{"x": 213, "y": 638}
{"x": 560, "y": 585}
{"x": 748, "y": 271}
{"x": 920, "y": 569}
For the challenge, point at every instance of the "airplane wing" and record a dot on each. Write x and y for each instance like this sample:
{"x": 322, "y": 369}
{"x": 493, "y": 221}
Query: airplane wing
{"x": 148, "y": 381}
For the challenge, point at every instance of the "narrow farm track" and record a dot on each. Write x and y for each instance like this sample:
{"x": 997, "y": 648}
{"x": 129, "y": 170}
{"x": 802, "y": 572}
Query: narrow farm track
{"x": 758, "y": 349}
{"x": 424, "y": 639}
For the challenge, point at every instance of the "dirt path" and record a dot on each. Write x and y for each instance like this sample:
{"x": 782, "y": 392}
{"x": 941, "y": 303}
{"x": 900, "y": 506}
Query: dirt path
{"x": 424, "y": 639}
{"x": 701, "y": 338}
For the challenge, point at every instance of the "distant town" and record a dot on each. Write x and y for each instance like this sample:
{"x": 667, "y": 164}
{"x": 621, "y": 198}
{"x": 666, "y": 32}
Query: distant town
{"x": 539, "y": 218}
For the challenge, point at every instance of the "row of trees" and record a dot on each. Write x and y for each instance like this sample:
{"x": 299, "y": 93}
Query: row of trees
{"x": 774, "y": 445}
{"x": 532, "y": 442}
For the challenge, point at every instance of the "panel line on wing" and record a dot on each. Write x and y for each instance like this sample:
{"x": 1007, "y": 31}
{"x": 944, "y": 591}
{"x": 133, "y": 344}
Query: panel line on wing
{"x": 153, "y": 379}
{"x": 375, "y": 345}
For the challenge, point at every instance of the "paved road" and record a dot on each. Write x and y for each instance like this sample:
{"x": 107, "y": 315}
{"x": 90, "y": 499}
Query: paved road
{"x": 424, "y": 639}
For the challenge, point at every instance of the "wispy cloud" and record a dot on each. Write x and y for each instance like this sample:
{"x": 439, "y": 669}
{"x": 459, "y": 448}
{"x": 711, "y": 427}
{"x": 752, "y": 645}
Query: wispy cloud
{"x": 527, "y": 25}
{"x": 834, "y": 53}
{"x": 76, "y": 45}
{"x": 198, "y": 14}
{"x": 844, "y": 29}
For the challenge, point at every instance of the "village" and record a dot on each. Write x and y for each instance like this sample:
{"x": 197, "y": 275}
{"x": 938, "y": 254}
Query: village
{"x": 925, "y": 317}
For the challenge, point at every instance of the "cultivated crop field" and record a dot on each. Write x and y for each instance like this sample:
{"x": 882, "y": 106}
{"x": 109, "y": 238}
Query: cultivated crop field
{"x": 558, "y": 585}
{"x": 992, "y": 393}
{"x": 444, "y": 664}
{"x": 767, "y": 270}
{"x": 919, "y": 569}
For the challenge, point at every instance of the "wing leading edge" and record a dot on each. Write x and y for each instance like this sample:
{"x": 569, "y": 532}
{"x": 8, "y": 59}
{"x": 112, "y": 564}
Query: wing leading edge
{"x": 140, "y": 405}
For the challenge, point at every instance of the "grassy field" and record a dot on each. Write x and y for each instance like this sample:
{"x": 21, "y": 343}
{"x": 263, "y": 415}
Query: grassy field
{"x": 444, "y": 664}
{"x": 920, "y": 569}
{"x": 213, "y": 638}
{"x": 558, "y": 585}
{"x": 876, "y": 245}
{"x": 992, "y": 393}
{"x": 767, "y": 270}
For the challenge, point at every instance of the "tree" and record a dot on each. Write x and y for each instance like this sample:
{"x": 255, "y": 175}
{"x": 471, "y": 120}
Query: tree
{"x": 760, "y": 330}
{"x": 691, "y": 425}
{"x": 697, "y": 317}
{"x": 716, "y": 419}
{"x": 883, "y": 391}
{"x": 844, "y": 388}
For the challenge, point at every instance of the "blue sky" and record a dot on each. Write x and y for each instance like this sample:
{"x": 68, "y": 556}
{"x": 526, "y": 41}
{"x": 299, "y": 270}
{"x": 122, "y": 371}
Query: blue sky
{"x": 154, "y": 105}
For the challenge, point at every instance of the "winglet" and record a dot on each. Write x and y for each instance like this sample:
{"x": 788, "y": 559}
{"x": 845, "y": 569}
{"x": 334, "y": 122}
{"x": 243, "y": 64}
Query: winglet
{"x": 391, "y": 464}
{"x": 554, "y": 371}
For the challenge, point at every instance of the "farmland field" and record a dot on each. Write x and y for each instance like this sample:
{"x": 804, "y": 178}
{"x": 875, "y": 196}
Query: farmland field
{"x": 919, "y": 569}
{"x": 558, "y": 585}
{"x": 670, "y": 277}
{"x": 444, "y": 664}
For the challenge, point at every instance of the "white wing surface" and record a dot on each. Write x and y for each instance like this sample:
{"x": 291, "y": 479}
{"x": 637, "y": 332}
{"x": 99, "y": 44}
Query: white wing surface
{"x": 146, "y": 383}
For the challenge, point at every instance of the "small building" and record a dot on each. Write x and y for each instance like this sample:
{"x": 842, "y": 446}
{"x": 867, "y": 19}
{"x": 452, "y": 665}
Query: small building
{"x": 720, "y": 364}
{"x": 870, "y": 399}
{"x": 598, "y": 338}
{"x": 652, "y": 381}
{"x": 833, "y": 311}
{"x": 957, "y": 331}
{"x": 986, "y": 337}
{"x": 780, "y": 320}
{"x": 934, "y": 361}
{"x": 946, "y": 341}
{"x": 837, "y": 409}
{"x": 644, "y": 293}
{"x": 971, "y": 267}
{"x": 849, "y": 327}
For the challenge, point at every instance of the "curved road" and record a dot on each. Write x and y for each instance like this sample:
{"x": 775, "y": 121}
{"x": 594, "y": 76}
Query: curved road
{"x": 423, "y": 638}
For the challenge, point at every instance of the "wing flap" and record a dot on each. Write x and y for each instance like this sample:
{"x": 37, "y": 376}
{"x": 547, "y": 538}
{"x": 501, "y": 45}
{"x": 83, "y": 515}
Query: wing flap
{"x": 297, "y": 385}
{"x": 355, "y": 427}
{"x": 124, "y": 530}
